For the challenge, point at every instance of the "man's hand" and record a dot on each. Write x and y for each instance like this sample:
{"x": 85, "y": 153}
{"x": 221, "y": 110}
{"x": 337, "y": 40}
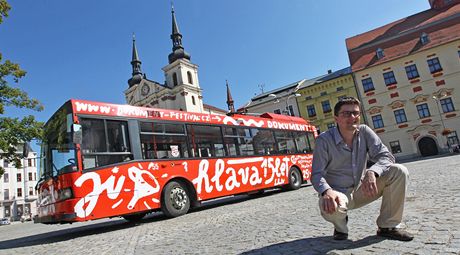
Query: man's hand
{"x": 331, "y": 201}
{"x": 369, "y": 184}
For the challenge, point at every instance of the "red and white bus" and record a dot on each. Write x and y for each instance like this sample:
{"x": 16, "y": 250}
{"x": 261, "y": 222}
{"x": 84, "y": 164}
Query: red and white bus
{"x": 104, "y": 160}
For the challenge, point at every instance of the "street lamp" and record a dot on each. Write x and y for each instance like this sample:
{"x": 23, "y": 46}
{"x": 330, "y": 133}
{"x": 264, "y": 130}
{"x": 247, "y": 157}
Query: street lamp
{"x": 287, "y": 99}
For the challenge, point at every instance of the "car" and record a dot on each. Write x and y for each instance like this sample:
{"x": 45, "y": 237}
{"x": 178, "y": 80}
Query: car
{"x": 4, "y": 221}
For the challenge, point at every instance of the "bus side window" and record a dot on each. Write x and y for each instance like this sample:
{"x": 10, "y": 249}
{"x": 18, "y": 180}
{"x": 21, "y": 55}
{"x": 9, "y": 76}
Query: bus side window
{"x": 286, "y": 142}
{"x": 264, "y": 141}
{"x": 301, "y": 142}
{"x": 104, "y": 142}
{"x": 163, "y": 140}
{"x": 205, "y": 141}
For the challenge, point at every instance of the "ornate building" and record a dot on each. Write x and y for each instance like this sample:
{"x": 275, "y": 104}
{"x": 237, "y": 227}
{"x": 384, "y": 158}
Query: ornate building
{"x": 181, "y": 90}
{"x": 407, "y": 74}
{"x": 319, "y": 96}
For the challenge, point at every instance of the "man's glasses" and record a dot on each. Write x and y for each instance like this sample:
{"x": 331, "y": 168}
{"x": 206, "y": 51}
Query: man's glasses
{"x": 349, "y": 113}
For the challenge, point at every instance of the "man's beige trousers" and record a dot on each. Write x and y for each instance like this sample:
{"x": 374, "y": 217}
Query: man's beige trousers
{"x": 392, "y": 188}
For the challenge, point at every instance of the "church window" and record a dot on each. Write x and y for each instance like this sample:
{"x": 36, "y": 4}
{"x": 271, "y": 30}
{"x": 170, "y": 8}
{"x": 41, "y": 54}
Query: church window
{"x": 189, "y": 76}
{"x": 193, "y": 100}
{"x": 175, "y": 79}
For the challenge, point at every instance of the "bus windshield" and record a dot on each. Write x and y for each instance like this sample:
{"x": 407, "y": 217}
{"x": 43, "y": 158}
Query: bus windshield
{"x": 57, "y": 150}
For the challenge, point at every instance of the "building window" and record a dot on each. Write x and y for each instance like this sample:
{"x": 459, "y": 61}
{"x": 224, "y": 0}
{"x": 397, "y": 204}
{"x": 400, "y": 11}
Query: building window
{"x": 291, "y": 110}
{"x": 368, "y": 85}
{"x": 31, "y": 191}
{"x": 311, "y": 110}
{"x": 330, "y": 125}
{"x": 6, "y": 163}
{"x": 412, "y": 72}
{"x": 6, "y": 194}
{"x": 323, "y": 93}
{"x": 277, "y": 111}
{"x": 189, "y": 76}
{"x": 339, "y": 88}
{"x": 19, "y": 192}
{"x": 447, "y": 105}
{"x": 389, "y": 78}
{"x": 175, "y": 79}
{"x": 326, "y": 106}
{"x": 377, "y": 121}
{"x": 452, "y": 138}
{"x": 379, "y": 53}
{"x": 30, "y": 176}
{"x": 423, "y": 111}
{"x": 434, "y": 65}
{"x": 193, "y": 100}
{"x": 6, "y": 178}
{"x": 395, "y": 147}
{"x": 308, "y": 98}
{"x": 424, "y": 39}
{"x": 400, "y": 116}
{"x": 19, "y": 177}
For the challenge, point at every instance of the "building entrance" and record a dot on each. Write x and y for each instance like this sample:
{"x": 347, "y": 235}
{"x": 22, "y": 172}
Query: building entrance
{"x": 427, "y": 147}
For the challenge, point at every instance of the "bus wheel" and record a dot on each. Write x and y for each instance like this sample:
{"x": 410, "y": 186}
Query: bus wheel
{"x": 176, "y": 201}
{"x": 134, "y": 217}
{"x": 295, "y": 179}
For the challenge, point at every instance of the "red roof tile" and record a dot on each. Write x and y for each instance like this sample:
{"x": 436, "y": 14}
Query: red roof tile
{"x": 402, "y": 37}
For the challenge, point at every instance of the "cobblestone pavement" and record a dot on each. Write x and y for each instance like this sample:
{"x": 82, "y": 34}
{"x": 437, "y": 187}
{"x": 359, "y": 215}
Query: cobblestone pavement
{"x": 276, "y": 223}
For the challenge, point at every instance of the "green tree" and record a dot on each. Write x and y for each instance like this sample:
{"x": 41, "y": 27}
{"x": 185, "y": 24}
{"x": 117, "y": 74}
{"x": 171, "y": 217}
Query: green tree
{"x": 14, "y": 131}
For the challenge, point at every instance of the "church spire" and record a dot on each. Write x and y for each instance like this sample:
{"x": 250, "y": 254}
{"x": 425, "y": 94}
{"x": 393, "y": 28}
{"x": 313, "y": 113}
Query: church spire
{"x": 136, "y": 64}
{"x": 230, "y": 102}
{"x": 176, "y": 37}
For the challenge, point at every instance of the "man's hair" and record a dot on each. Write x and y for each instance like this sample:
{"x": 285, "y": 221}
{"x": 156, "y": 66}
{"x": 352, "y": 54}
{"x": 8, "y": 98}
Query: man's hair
{"x": 343, "y": 101}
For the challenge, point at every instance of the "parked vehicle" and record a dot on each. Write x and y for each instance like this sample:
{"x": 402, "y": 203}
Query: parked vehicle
{"x": 4, "y": 221}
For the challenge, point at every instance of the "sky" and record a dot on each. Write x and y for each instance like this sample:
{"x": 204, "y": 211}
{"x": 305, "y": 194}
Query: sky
{"x": 82, "y": 49}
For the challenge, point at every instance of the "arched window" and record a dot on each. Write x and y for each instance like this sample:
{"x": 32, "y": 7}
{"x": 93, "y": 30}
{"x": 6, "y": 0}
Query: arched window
{"x": 175, "y": 79}
{"x": 189, "y": 75}
{"x": 193, "y": 100}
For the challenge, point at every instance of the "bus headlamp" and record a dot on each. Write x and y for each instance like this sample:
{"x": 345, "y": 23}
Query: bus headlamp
{"x": 65, "y": 194}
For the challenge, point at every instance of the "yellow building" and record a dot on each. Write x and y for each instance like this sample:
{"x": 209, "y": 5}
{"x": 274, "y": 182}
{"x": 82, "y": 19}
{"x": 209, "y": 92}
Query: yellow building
{"x": 319, "y": 96}
{"x": 408, "y": 75}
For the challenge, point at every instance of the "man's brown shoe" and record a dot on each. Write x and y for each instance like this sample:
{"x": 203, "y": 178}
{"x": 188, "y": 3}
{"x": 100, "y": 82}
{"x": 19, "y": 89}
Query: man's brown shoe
{"x": 339, "y": 235}
{"x": 395, "y": 234}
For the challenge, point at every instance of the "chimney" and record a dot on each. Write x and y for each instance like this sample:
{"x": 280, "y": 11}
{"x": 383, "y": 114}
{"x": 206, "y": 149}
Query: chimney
{"x": 439, "y": 4}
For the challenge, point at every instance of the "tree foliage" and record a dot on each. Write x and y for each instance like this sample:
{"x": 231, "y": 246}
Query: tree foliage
{"x": 14, "y": 131}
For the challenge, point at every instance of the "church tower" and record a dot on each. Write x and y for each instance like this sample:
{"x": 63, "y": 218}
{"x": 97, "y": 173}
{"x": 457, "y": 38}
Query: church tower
{"x": 181, "y": 75}
{"x": 181, "y": 90}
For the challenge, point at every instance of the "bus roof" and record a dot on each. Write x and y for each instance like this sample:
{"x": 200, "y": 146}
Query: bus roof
{"x": 266, "y": 120}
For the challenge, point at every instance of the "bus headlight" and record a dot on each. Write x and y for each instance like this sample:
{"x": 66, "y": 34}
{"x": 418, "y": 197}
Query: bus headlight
{"x": 64, "y": 194}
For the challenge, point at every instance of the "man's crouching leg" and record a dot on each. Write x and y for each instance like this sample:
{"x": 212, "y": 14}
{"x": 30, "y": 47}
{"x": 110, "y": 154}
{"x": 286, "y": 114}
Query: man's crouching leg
{"x": 394, "y": 185}
{"x": 339, "y": 217}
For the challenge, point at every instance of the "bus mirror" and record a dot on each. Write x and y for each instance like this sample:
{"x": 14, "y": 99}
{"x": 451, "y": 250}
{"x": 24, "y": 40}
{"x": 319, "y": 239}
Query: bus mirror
{"x": 77, "y": 134}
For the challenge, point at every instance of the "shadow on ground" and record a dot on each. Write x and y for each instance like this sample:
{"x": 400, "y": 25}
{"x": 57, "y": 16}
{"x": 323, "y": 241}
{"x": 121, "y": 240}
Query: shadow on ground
{"x": 315, "y": 245}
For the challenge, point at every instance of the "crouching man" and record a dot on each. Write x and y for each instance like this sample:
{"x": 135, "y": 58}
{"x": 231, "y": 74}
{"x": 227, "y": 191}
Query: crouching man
{"x": 343, "y": 182}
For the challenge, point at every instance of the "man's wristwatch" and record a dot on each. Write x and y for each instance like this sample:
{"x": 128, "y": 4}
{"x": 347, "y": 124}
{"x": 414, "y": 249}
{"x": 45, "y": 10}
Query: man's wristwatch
{"x": 324, "y": 192}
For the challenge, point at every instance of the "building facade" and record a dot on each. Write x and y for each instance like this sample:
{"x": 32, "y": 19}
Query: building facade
{"x": 318, "y": 97}
{"x": 17, "y": 189}
{"x": 280, "y": 101}
{"x": 407, "y": 74}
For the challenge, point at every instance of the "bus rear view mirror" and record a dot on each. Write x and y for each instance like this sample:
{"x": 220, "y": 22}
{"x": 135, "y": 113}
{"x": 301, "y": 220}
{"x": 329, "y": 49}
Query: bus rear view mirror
{"x": 77, "y": 134}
